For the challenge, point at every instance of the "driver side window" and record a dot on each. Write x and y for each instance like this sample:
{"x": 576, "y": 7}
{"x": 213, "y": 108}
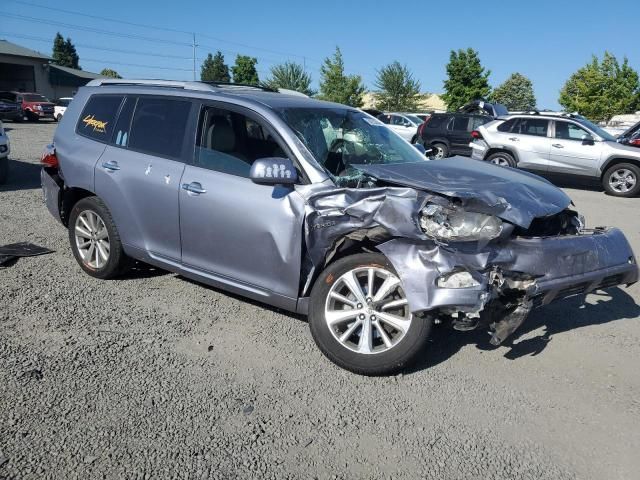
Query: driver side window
{"x": 569, "y": 131}
{"x": 229, "y": 142}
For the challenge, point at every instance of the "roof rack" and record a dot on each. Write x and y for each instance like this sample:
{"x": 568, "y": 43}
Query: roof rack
{"x": 197, "y": 86}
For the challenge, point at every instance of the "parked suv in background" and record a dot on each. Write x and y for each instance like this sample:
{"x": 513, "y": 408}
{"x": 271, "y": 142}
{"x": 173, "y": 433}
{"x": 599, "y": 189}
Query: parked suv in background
{"x": 34, "y": 106}
{"x": 404, "y": 124}
{"x": 449, "y": 134}
{"x": 560, "y": 144}
{"x": 316, "y": 208}
{"x": 10, "y": 110}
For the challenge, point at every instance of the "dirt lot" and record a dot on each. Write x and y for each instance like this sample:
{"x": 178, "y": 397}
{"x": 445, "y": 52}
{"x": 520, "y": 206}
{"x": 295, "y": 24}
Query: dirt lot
{"x": 154, "y": 376}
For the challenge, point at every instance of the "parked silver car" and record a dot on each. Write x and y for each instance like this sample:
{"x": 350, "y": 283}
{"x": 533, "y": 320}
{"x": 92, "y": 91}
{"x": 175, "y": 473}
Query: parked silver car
{"x": 316, "y": 208}
{"x": 560, "y": 144}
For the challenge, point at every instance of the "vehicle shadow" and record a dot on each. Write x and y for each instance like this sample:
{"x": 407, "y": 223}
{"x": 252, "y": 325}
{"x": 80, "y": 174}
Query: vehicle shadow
{"x": 560, "y": 317}
{"x": 143, "y": 270}
{"x": 22, "y": 176}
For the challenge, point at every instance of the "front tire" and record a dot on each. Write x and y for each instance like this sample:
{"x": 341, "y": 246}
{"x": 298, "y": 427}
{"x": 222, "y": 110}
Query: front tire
{"x": 360, "y": 319}
{"x": 622, "y": 180}
{"x": 95, "y": 241}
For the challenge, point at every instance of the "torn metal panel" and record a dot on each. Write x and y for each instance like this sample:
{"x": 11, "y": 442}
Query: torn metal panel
{"x": 508, "y": 193}
{"x": 21, "y": 249}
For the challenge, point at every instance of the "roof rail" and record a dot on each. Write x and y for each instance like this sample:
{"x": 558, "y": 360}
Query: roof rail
{"x": 238, "y": 86}
{"x": 199, "y": 86}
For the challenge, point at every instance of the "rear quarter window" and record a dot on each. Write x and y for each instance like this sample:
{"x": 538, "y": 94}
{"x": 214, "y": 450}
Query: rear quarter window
{"x": 98, "y": 117}
{"x": 507, "y": 126}
{"x": 437, "y": 121}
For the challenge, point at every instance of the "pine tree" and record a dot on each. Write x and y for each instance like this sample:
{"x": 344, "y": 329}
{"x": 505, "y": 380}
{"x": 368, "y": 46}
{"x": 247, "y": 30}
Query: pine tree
{"x": 397, "y": 89}
{"x": 214, "y": 69}
{"x": 291, "y": 76}
{"x": 467, "y": 79}
{"x": 64, "y": 52}
{"x": 107, "y": 72}
{"x": 337, "y": 87}
{"x": 244, "y": 71}
{"x": 516, "y": 93}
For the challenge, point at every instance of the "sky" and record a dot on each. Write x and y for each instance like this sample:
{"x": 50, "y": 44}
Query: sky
{"x": 544, "y": 40}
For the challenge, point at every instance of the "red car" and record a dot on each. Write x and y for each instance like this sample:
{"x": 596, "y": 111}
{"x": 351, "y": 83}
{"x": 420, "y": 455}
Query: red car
{"x": 34, "y": 106}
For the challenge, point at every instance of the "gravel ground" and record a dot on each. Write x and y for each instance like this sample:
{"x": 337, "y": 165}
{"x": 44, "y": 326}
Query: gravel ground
{"x": 154, "y": 376}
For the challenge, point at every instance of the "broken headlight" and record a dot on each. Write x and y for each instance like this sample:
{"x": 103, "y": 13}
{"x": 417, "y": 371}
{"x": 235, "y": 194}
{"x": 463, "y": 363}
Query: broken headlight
{"x": 455, "y": 224}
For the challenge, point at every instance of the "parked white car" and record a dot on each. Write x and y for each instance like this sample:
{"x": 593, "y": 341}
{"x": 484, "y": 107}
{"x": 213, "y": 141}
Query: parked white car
{"x": 61, "y": 107}
{"x": 404, "y": 124}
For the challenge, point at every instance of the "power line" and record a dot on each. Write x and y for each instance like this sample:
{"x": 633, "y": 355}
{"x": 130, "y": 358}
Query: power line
{"x": 93, "y": 47}
{"x": 134, "y": 65}
{"x": 93, "y": 30}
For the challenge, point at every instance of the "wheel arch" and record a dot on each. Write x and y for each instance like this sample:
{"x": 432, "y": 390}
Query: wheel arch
{"x": 616, "y": 160}
{"x": 493, "y": 150}
{"x": 71, "y": 196}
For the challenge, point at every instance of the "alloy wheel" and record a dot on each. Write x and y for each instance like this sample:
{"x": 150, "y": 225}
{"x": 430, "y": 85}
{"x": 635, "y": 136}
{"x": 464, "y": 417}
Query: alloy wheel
{"x": 501, "y": 161}
{"x": 367, "y": 311}
{"x": 92, "y": 239}
{"x": 622, "y": 180}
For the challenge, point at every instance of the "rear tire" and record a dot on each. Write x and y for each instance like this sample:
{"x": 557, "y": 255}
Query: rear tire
{"x": 4, "y": 170}
{"x": 389, "y": 348}
{"x": 95, "y": 241}
{"x": 622, "y": 180}
{"x": 440, "y": 150}
{"x": 503, "y": 159}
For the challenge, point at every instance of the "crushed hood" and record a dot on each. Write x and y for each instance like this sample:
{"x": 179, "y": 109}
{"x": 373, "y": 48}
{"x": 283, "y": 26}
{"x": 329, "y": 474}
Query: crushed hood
{"x": 513, "y": 195}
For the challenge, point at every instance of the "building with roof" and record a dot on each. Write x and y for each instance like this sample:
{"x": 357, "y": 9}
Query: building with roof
{"x": 25, "y": 70}
{"x": 428, "y": 102}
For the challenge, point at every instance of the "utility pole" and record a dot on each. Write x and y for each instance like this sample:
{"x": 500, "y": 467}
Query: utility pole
{"x": 194, "y": 57}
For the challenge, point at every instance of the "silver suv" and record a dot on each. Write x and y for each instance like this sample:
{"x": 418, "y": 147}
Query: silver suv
{"x": 560, "y": 144}
{"x": 319, "y": 209}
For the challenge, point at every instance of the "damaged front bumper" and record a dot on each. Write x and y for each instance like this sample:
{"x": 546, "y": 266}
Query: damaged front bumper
{"x": 509, "y": 278}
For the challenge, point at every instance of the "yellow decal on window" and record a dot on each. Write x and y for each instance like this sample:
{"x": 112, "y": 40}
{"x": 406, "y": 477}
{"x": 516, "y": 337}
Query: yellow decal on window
{"x": 98, "y": 126}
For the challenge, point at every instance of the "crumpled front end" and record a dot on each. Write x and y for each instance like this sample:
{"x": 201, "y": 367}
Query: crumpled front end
{"x": 469, "y": 283}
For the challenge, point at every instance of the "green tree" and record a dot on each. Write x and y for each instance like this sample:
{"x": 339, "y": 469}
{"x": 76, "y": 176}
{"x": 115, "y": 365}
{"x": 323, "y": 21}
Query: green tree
{"x": 291, "y": 76}
{"x": 602, "y": 89}
{"x": 64, "y": 52}
{"x": 396, "y": 88}
{"x": 466, "y": 80}
{"x": 516, "y": 93}
{"x": 244, "y": 71}
{"x": 335, "y": 86}
{"x": 214, "y": 69}
{"x": 107, "y": 72}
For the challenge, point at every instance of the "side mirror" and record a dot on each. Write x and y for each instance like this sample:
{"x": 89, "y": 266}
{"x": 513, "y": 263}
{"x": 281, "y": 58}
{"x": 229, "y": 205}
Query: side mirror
{"x": 588, "y": 140}
{"x": 273, "y": 171}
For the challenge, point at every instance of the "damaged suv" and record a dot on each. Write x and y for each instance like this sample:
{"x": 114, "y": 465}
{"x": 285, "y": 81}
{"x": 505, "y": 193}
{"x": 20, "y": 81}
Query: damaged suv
{"x": 316, "y": 208}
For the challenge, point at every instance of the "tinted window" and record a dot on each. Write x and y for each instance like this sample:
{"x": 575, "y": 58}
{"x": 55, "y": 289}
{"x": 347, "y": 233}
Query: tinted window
{"x": 437, "y": 121}
{"x": 506, "y": 126}
{"x": 35, "y": 98}
{"x": 397, "y": 120}
{"x": 158, "y": 126}
{"x": 123, "y": 126}
{"x": 532, "y": 126}
{"x": 477, "y": 121}
{"x": 230, "y": 142}
{"x": 384, "y": 118}
{"x": 459, "y": 124}
{"x": 569, "y": 131}
{"x": 98, "y": 117}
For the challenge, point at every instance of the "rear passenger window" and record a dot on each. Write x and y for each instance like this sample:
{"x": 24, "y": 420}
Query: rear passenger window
{"x": 437, "y": 121}
{"x": 459, "y": 124}
{"x": 478, "y": 121}
{"x": 532, "y": 126}
{"x": 99, "y": 116}
{"x": 507, "y": 126}
{"x": 123, "y": 125}
{"x": 158, "y": 126}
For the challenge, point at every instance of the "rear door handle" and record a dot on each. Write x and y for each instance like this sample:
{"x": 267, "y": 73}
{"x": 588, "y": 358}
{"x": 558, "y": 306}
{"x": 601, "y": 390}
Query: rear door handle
{"x": 557, "y": 145}
{"x": 193, "y": 187}
{"x": 112, "y": 166}
{"x": 514, "y": 139}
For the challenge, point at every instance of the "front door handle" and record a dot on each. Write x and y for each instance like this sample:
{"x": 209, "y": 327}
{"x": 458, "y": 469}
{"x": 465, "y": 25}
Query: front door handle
{"x": 111, "y": 166}
{"x": 514, "y": 139}
{"x": 557, "y": 145}
{"x": 193, "y": 187}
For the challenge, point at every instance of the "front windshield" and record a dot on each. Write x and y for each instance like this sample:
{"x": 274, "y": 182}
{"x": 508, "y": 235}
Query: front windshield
{"x": 35, "y": 98}
{"x": 597, "y": 130}
{"x": 340, "y": 138}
